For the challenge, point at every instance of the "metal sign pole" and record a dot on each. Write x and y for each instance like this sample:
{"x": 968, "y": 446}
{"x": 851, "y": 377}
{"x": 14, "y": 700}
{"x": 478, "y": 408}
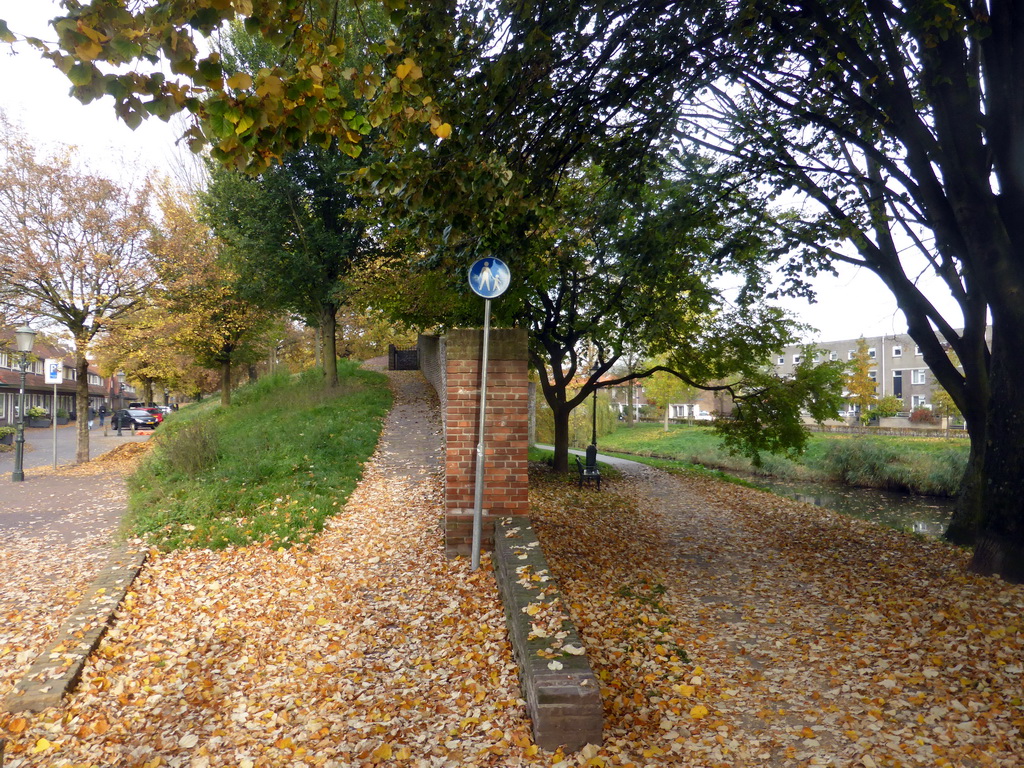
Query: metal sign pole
{"x": 53, "y": 373}
{"x": 478, "y": 493}
{"x": 488, "y": 278}
{"x": 54, "y": 426}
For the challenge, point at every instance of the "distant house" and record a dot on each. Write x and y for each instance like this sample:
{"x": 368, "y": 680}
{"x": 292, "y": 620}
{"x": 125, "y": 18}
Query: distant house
{"x": 897, "y": 366}
{"x": 37, "y": 391}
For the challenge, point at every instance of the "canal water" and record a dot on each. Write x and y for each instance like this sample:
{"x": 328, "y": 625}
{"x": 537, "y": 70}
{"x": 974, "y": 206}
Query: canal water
{"x": 927, "y": 515}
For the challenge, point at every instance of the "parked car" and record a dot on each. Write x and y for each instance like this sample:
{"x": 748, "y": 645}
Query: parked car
{"x": 159, "y": 414}
{"x": 127, "y": 418}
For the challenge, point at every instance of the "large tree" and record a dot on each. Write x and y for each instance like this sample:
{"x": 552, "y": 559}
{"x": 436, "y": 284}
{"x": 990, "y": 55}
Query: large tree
{"x": 219, "y": 327}
{"x": 293, "y": 235}
{"x": 903, "y": 123}
{"x": 73, "y": 250}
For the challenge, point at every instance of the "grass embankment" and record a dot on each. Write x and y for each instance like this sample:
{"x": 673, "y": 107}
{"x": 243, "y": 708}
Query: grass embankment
{"x": 929, "y": 466}
{"x": 268, "y": 469}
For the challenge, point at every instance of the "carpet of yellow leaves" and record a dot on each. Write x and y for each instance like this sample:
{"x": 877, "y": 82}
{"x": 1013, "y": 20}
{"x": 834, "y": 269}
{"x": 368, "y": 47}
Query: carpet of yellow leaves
{"x": 368, "y": 648}
{"x": 67, "y": 518}
{"x": 728, "y": 628}
{"x": 815, "y": 639}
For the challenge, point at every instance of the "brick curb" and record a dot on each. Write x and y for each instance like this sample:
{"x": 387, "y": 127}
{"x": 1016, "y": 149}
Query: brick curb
{"x": 563, "y": 697}
{"x": 57, "y": 670}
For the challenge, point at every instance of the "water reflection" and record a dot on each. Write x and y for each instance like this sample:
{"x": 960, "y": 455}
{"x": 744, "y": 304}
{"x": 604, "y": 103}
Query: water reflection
{"x": 927, "y": 515}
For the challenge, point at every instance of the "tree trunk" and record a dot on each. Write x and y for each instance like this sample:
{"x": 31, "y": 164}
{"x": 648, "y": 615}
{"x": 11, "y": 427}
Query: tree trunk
{"x": 328, "y": 328}
{"x": 225, "y": 383}
{"x": 630, "y": 407}
{"x": 81, "y": 408}
{"x": 560, "y": 416}
{"x": 967, "y": 517}
{"x": 995, "y": 499}
{"x": 253, "y": 376}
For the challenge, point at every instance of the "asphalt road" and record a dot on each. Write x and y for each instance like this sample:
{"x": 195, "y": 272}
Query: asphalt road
{"x": 39, "y": 445}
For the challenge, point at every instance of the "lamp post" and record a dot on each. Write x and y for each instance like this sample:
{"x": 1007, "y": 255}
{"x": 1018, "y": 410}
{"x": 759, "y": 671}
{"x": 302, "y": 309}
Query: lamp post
{"x": 25, "y": 338}
{"x": 120, "y": 400}
{"x": 592, "y": 448}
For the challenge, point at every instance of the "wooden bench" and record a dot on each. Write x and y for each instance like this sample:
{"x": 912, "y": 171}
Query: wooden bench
{"x": 588, "y": 471}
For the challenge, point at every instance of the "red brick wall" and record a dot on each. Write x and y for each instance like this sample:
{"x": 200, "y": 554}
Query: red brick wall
{"x": 505, "y": 436}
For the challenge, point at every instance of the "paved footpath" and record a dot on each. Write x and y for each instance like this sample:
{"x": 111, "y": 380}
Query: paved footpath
{"x": 58, "y": 535}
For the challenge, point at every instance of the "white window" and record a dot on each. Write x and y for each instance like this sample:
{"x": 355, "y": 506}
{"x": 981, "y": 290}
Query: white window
{"x": 833, "y": 355}
{"x": 918, "y": 376}
{"x": 4, "y": 362}
{"x": 871, "y": 352}
{"x": 797, "y": 359}
{"x": 897, "y": 351}
{"x": 782, "y": 359}
{"x": 918, "y": 401}
{"x": 917, "y": 350}
{"x": 873, "y": 375}
{"x": 852, "y": 354}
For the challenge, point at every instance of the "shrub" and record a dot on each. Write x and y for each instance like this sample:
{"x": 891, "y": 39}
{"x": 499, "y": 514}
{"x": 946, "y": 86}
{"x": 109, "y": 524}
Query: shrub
{"x": 37, "y": 412}
{"x": 923, "y": 416}
{"x": 5, "y": 431}
{"x": 190, "y": 449}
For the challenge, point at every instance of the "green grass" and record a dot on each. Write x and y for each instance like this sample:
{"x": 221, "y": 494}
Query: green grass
{"x": 268, "y": 469}
{"x": 930, "y": 466}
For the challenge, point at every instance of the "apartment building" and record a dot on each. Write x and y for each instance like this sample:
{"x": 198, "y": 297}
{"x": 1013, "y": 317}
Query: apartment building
{"x": 897, "y": 365}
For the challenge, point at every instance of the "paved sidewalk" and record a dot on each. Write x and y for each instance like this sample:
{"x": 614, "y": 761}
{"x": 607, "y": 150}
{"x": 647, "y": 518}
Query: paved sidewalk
{"x": 39, "y": 447}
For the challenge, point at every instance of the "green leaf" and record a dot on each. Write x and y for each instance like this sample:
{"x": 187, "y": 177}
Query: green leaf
{"x": 81, "y": 74}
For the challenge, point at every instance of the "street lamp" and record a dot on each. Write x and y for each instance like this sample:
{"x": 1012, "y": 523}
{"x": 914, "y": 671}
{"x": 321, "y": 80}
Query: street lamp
{"x": 592, "y": 448}
{"x": 24, "y": 338}
{"x": 120, "y": 400}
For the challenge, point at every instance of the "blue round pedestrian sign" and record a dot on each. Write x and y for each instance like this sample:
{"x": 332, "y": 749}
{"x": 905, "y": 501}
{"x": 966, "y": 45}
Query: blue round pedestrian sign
{"x": 489, "y": 277}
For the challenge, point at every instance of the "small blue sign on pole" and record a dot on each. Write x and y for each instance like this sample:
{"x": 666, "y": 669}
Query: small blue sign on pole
{"x": 489, "y": 277}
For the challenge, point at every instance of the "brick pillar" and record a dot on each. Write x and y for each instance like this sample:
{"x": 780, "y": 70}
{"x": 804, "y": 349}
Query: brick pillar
{"x": 505, "y": 435}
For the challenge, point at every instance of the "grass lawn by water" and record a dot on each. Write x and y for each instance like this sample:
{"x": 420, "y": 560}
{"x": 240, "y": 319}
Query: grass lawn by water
{"x": 920, "y": 465}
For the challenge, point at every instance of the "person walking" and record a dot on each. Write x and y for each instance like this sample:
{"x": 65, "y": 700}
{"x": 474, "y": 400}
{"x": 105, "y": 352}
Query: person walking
{"x": 103, "y": 413}
{"x": 92, "y": 415}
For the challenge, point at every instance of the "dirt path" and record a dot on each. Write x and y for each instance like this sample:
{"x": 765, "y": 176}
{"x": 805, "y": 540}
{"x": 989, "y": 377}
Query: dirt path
{"x": 819, "y": 640}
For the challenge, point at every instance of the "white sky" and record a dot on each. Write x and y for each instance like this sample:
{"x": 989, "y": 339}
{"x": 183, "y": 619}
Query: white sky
{"x": 35, "y": 95}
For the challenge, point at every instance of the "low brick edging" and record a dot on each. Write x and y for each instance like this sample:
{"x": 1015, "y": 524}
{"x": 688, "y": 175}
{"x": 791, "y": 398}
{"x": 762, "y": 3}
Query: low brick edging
{"x": 562, "y": 694}
{"x": 58, "y": 669}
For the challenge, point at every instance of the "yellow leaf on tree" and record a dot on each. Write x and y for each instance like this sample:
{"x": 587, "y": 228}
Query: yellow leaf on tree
{"x": 88, "y": 51}
{"x": 699, "y": 712}
{"x": 240, "y": 81}
{"x": 270, "y": 86}
{"x": 443, "y": 131}
{"x": 409, "y": 69}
